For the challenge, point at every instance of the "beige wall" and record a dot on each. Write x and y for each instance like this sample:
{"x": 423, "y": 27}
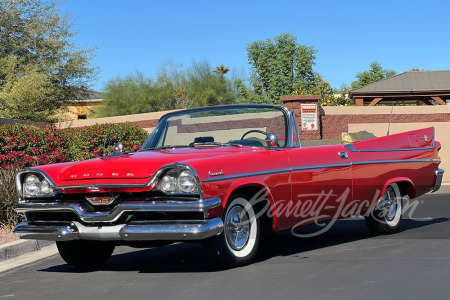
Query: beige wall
{"x": 441, "y": 132}
{"x": 117, "y": 119}
{"x": 400, "y": 110}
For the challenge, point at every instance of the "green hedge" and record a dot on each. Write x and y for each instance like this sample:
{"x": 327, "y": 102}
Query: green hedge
{"x": 27, "y": 145}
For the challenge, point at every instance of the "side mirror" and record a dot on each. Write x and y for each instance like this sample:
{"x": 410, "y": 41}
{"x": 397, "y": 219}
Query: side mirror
{"x": 118, "y": 148}
{"x": 271, "y": 140}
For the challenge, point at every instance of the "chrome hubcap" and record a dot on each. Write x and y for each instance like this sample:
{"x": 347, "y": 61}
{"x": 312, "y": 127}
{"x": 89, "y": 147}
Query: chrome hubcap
{"x": 237, "y": 227}
{"x": 389, "y": 204}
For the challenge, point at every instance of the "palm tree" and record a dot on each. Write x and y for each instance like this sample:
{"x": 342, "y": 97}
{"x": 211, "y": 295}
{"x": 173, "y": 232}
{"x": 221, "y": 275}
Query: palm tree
{"x": 221, "y": 70}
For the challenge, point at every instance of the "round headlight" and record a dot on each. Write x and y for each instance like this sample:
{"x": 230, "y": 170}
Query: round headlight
{"x": 46, "y": 188}
{"x": 186, "y": 182}
{"x": 32, "y": 185}
{"x": 168, "y": 184}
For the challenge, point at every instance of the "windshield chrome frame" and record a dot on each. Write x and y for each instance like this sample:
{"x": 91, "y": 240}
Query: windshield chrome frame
{"x": 292, "y": 125}
{"x": 289, "y": 115}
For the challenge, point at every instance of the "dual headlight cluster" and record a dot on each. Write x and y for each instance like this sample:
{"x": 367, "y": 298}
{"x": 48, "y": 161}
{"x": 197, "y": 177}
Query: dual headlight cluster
{"x": 35, "y": 185}
{"x": 178, "y": 181}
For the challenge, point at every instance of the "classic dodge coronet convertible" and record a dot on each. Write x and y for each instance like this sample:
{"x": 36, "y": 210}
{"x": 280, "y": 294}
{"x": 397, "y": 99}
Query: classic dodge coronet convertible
{"x": 222, "y": 175}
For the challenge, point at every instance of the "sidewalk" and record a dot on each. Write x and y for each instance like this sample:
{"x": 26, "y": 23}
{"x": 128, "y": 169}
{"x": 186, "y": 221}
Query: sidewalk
{"x": 20, "y": 247}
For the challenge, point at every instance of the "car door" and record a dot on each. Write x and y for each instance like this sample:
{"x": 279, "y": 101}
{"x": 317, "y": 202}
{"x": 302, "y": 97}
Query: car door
{"x": 321, "y": 178}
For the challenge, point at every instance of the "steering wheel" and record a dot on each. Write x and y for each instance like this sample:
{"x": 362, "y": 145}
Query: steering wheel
{"x": 254, "y": 130}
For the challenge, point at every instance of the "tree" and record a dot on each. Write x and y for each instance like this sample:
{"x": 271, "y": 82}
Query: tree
{"x": 132, "y": 94}
{"x": 221, "y": 70}
{"x": 174, "y": 87}
{"x": 281, "y": 66}
{"x": 206, "y": 87}
{"x": 376, "y": 73}
{"x": 39, "y": 67}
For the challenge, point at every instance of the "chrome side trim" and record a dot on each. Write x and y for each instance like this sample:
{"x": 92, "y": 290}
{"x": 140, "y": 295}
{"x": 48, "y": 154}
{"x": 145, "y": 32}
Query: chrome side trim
{"x": 353, "y": 149}
{"x": 198, "y": 206}
{"x": 321, "y": 166}
{"x": 318, "y": 167}
{"x": 438, "y": 182}
{"x": 173, "y": 231}
{"x": 395, "y": 161}
{"x": 245, "y": 175}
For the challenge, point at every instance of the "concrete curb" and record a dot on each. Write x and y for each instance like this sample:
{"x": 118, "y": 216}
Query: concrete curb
{"x": 20, "y": 247}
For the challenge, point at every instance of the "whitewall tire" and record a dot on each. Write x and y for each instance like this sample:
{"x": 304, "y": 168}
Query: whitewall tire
{"x": 387, "y": 216}
{"x": 238, "y": 243}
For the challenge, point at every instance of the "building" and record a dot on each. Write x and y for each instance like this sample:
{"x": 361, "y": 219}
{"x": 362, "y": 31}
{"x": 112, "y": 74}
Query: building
{"x": 82, "y": 108}
{"x": 412, "y": 87}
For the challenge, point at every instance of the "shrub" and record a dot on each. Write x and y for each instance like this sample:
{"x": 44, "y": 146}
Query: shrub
{"x": 26, "y": 145}
{"x": 98, "y": 140}
{"x": 8, "y": 196}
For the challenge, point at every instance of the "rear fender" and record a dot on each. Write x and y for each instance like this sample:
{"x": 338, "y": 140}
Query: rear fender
{"x": 405, "y": 185}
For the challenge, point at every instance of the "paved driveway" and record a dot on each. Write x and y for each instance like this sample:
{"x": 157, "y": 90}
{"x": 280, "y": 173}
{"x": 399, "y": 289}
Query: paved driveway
{"x": 346, "y": 262}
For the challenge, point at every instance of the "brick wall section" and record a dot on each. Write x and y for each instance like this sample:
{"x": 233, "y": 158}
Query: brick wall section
{"x": 293, "y": 104}
{"x": 4, "y": 121}
{"x": 334, "y": 125}
{"x": 146, "y": 123}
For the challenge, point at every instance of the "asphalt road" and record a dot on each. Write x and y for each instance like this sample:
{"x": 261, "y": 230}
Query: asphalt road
{"x": 346, "y": 262}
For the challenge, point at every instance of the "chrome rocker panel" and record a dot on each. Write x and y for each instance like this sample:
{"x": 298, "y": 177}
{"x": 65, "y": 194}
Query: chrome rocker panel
{"x": 170, "y": 231}
{"x": 198, "y": 206}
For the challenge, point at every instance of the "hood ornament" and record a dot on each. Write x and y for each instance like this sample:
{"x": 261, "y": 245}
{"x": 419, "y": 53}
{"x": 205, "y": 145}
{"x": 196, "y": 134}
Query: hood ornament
{"x": 118, "y": 149}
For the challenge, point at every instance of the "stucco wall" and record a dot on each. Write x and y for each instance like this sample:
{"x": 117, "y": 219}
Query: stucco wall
{"x": 147, "y": 121}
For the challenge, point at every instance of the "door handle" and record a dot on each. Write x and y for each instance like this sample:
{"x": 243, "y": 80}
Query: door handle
{"x": 343, "y": 154}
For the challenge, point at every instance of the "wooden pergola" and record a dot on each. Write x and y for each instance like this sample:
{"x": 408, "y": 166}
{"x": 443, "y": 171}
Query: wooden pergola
{"x": 409, "y": 87}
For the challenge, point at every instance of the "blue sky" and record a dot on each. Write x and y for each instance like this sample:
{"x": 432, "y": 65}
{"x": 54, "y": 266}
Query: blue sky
{"x": 348, "y": 35}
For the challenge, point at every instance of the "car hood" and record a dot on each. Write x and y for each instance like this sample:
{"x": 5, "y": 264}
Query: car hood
{"x": 135, "y": 165}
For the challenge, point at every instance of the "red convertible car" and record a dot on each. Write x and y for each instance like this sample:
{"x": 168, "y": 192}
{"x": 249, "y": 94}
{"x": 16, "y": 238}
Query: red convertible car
{"x": 222, "y": 175}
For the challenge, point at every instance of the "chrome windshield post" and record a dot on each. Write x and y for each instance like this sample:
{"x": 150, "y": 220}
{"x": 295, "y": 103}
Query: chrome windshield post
{"x": 293, "y": 131}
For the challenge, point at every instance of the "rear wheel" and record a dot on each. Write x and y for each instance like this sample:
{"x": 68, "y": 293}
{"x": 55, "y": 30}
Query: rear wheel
{"x": 85, "y": 254}
{"x": 238, "y": 243}
{"x": 386, "y": 218}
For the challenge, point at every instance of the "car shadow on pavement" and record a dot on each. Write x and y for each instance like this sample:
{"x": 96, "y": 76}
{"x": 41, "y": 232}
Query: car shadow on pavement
{"x": 190, "y": 257}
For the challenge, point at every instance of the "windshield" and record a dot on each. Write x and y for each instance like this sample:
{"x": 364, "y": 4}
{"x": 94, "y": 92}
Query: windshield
{"x": 220, "y": 126}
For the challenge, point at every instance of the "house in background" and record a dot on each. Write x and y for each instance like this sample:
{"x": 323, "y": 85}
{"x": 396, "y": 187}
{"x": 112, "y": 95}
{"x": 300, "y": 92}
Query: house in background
{"x": 81, "y": 109}
{"x": 412, "y": 87}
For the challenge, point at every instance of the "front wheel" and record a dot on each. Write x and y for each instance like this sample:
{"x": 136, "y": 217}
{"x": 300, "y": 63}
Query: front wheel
{"x": 83, "y": 254}
{"x": 386, "y": 218}
{"x": 238, "y": 243}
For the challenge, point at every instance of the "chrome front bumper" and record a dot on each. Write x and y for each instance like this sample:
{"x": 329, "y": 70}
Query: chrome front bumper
{"x": 103, "y": 229}
{"x": 170, "y": 231}
{"x": 438, "y": 182}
